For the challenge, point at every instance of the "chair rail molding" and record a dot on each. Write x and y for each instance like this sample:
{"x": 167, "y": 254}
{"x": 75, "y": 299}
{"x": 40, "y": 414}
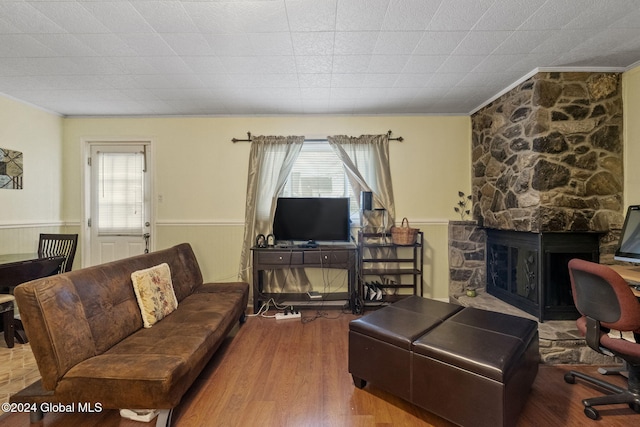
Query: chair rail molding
{"x": 31, "y": 224}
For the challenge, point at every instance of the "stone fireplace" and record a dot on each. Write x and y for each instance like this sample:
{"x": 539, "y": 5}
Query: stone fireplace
{"x": 547, "y": 167}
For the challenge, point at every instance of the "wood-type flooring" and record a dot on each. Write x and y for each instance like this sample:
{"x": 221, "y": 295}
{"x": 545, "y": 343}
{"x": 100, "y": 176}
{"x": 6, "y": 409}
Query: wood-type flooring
{"x": 295, "y": 373}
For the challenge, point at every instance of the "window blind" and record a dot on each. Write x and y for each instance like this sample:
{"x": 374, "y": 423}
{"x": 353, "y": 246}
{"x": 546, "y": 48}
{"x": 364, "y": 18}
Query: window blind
{"x": 318, "y": 172}
{"x": 120, "y": 194}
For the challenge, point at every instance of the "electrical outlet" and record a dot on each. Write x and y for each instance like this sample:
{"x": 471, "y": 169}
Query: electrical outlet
{"x": 294, "y": 315}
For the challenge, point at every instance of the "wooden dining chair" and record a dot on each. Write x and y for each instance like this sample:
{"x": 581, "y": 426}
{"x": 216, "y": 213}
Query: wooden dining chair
{"x": 59, "y": 244}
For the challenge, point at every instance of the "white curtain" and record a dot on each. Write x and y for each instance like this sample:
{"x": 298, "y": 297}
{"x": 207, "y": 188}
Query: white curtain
{"x": 366, "y": 162}
{"x": 270, "y": 161}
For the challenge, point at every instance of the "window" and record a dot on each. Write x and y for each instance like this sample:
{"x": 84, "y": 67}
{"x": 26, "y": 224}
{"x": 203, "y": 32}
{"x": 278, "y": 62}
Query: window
{"x": 318, "y": 172}
{"x": 120, "y": 193}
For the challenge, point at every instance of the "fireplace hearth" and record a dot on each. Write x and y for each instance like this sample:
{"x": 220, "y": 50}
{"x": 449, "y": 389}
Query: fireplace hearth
{"x": 529, "y": 270}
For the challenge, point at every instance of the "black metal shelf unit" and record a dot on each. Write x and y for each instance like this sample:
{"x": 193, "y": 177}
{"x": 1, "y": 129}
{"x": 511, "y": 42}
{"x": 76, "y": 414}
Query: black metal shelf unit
{"x": 390, "y": 269}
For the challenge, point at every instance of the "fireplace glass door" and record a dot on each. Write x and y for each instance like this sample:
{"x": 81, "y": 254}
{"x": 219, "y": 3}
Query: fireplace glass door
{"x": 513, "y": 271}
{"x": 525, "y": 270}
{"x": 529, "y": 270}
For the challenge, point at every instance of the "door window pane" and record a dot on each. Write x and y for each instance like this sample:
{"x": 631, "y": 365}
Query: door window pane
{"x": 120, "y": 193}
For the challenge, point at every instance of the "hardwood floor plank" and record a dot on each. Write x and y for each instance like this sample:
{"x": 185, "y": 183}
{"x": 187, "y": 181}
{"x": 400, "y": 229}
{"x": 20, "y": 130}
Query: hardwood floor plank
{"x": 258, "y": 413}
{"x": 292, "y": 373}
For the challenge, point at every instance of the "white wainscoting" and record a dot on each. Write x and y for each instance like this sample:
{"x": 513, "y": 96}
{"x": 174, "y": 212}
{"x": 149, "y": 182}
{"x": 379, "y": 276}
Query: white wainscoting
{"x": 18, "y": 238}
{"x": 217, "y": 245}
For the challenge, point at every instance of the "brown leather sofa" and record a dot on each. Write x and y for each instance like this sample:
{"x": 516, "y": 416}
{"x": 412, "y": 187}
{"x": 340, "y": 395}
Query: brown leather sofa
{"x": 87, "y": 335}
{"x": 472, "y": 367}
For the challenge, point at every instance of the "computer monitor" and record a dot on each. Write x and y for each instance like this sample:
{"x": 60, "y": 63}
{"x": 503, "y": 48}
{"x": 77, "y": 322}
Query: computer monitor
{"x": 629, "y": 245}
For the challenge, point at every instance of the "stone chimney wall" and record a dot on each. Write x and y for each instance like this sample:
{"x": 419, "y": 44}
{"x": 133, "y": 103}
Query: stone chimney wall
{"x": 547, "y": 155}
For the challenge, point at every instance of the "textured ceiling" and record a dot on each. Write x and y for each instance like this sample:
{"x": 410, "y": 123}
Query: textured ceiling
{"x": 298, "y": 56}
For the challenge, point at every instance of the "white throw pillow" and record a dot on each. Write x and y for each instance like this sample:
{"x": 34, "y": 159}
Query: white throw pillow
{"x": 154, "y": 292}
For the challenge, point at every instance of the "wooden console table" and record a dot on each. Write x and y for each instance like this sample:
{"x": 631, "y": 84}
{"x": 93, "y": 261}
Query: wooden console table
{"x": 277, "y": 258}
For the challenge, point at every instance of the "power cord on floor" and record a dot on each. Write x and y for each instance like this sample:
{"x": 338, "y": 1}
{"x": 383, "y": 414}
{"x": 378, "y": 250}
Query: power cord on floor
{"x": 320, "y": 315}
{"x": 264, "y": 309}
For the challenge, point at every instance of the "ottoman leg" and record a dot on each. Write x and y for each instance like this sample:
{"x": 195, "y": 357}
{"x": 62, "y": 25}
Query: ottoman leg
{"x": 9, "y": 329}
{"x": 359, "y": 382}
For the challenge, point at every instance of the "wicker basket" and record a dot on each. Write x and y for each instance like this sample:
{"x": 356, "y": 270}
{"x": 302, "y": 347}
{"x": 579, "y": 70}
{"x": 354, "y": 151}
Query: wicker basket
{"x": 404, "y": 235}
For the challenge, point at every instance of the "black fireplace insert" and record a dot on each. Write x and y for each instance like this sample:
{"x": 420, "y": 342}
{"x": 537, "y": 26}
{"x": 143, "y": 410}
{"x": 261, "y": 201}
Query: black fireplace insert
{"x": 529, "y": 270}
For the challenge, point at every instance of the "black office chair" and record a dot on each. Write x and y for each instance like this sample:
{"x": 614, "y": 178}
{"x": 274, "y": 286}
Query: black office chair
{"x": 606, "y": 302}
{"x": 59, "y": 244}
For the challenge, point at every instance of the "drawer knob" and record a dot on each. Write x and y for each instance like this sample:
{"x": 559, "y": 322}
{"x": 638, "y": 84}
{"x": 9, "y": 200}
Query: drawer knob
{"x": 326, "y": 257}
{"x": 280, "y": 258}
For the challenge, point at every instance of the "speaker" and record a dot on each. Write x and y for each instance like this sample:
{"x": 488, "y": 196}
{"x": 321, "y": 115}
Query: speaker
{"x": 366, "y": 200}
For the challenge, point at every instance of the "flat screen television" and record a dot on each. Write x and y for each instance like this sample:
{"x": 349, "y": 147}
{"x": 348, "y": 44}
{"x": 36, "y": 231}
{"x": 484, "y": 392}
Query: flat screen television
{"x": 629, "y": 245}
{"x": 311, "y": 220}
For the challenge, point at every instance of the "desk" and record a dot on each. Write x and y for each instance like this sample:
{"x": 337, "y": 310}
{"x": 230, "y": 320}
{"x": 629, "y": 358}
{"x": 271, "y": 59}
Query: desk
{"x": 630, "y": 274}
{"x": 276, "y": 258}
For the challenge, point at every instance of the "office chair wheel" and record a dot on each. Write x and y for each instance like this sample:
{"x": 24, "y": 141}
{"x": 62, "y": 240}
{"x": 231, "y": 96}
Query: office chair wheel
{"x": 635, "y": 407}
{"x": 591, "y": 413}
{"x": 569, "y": 378}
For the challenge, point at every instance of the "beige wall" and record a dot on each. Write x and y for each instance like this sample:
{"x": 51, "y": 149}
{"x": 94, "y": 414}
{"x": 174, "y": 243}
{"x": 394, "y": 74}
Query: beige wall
{"x": 38, "y": 206}
{"x": 631, "y": 105}
{"x": 201, "y": 176}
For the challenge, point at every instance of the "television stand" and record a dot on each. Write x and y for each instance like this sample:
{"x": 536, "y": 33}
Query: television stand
{"x": 331, "y": 256}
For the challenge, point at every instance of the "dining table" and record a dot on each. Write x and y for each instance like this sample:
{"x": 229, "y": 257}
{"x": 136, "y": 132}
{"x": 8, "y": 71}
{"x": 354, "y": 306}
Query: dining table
{"x": 22, "y": 267}
{"x": 19, "y": 268}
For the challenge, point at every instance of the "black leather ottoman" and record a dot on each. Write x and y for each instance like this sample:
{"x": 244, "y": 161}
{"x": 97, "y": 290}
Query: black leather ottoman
{"x": 470, "y": 366}
{"x": 477, "y": 368}
{"x": 380, "y": 342}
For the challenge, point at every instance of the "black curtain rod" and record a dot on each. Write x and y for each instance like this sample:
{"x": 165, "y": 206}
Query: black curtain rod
{"x": 399, "y": 139}
{"x": 234, "y": 140}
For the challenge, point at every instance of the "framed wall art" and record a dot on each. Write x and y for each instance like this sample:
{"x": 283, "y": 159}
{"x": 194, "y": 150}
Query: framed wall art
{"x": 10, "y": 169}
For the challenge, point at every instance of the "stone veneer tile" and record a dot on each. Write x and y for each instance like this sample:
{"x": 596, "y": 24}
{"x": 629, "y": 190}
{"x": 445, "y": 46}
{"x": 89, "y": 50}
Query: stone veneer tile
{"x": 547, "y": 156}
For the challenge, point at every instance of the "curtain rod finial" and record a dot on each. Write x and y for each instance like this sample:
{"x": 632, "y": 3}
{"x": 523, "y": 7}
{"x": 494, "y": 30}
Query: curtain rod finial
{"x": 234, "y": 140}
{"x": 400, "y": 139}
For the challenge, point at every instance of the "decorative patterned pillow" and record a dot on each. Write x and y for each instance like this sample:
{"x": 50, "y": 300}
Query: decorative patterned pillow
{"x": 154, "y": 291}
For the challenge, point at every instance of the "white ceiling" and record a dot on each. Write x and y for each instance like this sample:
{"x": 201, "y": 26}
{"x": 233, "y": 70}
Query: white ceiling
{"x": 135, "y": 57}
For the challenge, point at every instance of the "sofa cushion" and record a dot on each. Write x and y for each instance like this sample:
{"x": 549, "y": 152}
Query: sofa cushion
{"x": 154, "y": 367}
{"x": 48, "y": 308}
{"x": 154, "y": 292}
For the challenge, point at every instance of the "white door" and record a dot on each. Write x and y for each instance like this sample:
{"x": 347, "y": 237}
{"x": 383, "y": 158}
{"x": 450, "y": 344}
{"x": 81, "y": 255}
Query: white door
{"x": 120, "y": 222}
